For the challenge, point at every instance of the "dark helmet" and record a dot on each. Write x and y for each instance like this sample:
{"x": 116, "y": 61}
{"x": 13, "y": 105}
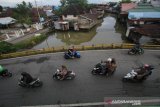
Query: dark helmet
{"x": 151, "y": 67}
{"x": 24, "y": 73}
{"x": 113, "y": 60}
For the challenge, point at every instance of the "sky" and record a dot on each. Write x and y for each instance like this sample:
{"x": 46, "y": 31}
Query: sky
{"x": 44, "y": 2}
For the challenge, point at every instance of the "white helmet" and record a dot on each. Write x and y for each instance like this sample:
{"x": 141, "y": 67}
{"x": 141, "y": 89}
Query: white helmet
{"x": 109, "y": 59}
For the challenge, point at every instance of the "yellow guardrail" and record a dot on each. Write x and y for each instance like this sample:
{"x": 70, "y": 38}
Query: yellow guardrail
{"x": 63, "y": 48}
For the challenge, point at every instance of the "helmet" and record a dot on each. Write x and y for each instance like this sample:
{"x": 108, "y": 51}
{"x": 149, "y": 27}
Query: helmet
{"x": 23, "y": 73}
{"x": 109, "y": 59}
{"x": 149, "y": 67}
{"x": 146, "y": 65}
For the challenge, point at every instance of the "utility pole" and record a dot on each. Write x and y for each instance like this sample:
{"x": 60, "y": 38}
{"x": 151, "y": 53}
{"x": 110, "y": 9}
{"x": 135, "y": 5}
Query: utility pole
{"x": 37, "y": 11}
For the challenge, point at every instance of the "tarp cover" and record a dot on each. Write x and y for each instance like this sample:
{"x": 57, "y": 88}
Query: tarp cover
{"x": 7, "y": 20}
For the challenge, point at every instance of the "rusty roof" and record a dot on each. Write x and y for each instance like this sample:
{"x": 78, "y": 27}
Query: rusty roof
{"x": 127, "y": 6}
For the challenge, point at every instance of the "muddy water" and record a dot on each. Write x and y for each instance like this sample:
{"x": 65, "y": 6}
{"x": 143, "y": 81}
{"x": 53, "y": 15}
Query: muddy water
{"x": 109, "y": 31}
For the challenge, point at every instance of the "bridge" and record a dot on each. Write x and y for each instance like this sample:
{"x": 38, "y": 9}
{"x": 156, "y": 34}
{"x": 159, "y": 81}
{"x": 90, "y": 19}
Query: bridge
{"x": 85, "y": 88}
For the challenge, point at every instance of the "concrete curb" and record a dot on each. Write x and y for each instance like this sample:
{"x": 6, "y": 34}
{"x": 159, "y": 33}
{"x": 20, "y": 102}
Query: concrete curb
{"x": 78, "y": 48}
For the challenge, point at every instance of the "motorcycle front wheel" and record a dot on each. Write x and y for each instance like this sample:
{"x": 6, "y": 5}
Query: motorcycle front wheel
{"x": 93, "y": 72}
{"x": 141, "y": 51}
{"x": 70, "y": 77}
{"x": 131, "y": 52}
{"x": 57, "y": 77}
{"x": 124, "y": 79}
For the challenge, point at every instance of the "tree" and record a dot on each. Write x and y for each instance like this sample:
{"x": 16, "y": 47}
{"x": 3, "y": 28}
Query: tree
{"x": 126, "y": 1}
{"x": 72, "y": 6}
{"x": 1, "y": 8}
{"x": 22, "y": 13}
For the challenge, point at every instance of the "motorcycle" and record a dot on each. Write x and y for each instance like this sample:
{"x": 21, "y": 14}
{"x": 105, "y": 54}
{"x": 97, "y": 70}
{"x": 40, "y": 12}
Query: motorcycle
{"x": 6, "y": 73}
{"x": 135, "y": 51}
{"x": 70, "y": 75}
{"x": 75, "y": 55}
{"x": 100, "y": 69}
{"x": 35, "y": 83}
{"x": 132, "y": 76}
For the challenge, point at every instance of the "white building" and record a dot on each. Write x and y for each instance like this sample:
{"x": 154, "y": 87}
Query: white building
{"x": 155, "y": 3}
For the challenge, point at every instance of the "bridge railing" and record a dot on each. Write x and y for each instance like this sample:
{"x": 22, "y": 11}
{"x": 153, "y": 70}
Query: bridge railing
{"x": 79, "y": 48}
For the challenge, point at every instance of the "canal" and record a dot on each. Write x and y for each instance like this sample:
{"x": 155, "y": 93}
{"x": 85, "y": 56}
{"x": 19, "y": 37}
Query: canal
{"x": 107, "y": 32}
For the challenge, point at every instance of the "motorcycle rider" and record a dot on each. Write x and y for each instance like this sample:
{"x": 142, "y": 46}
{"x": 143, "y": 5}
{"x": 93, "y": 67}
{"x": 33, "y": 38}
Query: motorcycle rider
{"x": 3, "y": 71}
{"x": 63, "y": 72}
{"x": 26, "y": 77}
{"x": 110, "y": 66}
{"x": 71, "y": 51}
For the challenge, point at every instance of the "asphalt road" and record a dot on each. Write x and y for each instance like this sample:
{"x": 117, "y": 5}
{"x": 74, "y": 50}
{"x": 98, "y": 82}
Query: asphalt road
{"x": 85, "y": 87}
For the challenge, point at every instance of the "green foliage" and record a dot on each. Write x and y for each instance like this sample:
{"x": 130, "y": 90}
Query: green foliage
{"x": 126, "y": 1}
{"x": 74, "y": 6}
{"x": 23, "y": 12}
{"x": 6, "y": 47}
{"x": 27, "y": 44}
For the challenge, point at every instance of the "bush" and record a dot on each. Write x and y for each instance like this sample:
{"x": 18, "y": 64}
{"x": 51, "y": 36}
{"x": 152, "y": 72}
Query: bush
{"x": 6, "y": 47}
{"x": 27, "y": 44}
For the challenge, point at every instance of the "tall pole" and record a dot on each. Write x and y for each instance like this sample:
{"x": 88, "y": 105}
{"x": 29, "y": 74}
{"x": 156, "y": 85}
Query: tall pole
{"x": 37, "y": 11}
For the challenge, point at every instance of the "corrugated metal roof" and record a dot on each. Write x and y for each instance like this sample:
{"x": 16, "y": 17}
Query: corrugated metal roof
{"x": 7, "y": 20}
{"x": 144, "y": 11}
{"x": 138, "y": 15}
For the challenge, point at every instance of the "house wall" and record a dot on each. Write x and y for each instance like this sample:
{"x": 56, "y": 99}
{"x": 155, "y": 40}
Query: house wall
{"x": 85, "y": 23}
{"x": 69, "y": 17}
{"x": 155, "y": 3}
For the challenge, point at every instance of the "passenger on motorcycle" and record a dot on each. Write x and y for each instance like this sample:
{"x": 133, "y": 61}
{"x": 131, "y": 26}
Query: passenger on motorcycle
{"x": 113, "y": 65}
{"x": 141, "y": 71}
{"x": 2, "y": 71}
{"x": 63, "y": 72}
{"x": 26, "y": 77}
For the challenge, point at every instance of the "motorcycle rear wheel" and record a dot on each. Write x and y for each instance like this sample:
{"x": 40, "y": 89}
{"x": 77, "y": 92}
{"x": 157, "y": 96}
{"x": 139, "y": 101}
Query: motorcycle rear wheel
{"x": 38, "y": 84}
{"x": 9, "y": 74}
